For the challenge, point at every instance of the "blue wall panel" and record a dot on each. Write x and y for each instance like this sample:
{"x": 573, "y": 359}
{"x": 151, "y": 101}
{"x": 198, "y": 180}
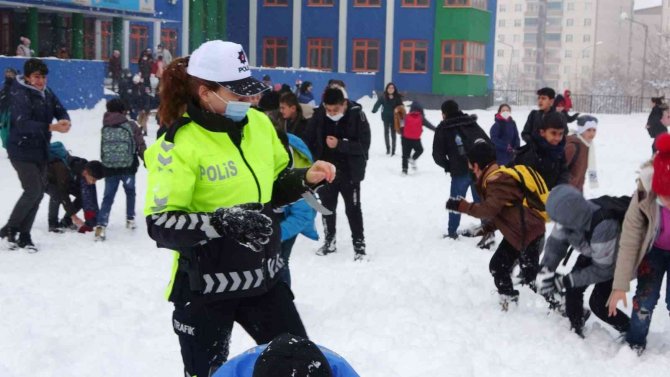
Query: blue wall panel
{"x": 238, "y": 23}
{"x": 319, "y": 22}
{"x": 274, "y": 22}
{"x": 73, "y": 81}
{"x": 366, "y": 23}
{"x": 414, "y": 23}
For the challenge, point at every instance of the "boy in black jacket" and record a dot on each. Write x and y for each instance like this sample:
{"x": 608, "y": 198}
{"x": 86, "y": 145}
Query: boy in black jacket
{"x": 545, "y": 104}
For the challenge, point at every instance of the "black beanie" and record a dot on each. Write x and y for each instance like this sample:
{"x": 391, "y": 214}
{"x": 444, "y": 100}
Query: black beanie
{"x": 33, "y": 65}
{"x": 95, "y": 169}
{"x": 292, "y": 356}
{"x": 482, "y": 153}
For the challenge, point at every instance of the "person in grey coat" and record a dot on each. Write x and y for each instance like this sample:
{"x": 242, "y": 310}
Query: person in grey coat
{"x": 595, "y": 265}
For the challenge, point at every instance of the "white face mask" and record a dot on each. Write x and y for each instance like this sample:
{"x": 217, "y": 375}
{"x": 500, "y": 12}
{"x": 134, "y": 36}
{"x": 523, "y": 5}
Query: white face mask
{"x": 505, "y": 114}
{"x": 235, "y": 110}
{"x": 335, "y": 117}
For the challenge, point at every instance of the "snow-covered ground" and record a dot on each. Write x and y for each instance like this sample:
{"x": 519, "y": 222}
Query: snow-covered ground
{"x": 422, "y": 306}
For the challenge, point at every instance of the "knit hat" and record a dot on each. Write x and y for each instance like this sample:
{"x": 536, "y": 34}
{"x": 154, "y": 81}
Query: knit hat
{"x": 585, "y": 123}
{"x": 292, "y": 356}
{"x": 661, "y": 181}
{"x": 482, "y": 153}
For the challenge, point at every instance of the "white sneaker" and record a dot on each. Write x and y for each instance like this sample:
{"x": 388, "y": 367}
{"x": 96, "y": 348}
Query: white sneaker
{"x": 130, "y": 224}
{"x": 100, "y": 233}
{"x": 412, "y": 163}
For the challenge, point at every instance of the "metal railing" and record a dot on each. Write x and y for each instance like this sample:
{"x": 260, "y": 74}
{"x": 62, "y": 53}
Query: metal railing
{"x": 583, "y": 103}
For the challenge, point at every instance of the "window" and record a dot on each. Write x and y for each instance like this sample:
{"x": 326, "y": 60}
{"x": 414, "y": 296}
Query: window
{"x": 532, "y": 8}
{"x": 569, "y": 22}
{"x": 500, "y": 53}
{"x": 89, "y": 38}
{"x": 568, "y": 37}
{"x": 366, "y": 55}
{"x": 501, "y": 23}
{"x": 319, "y": 3}
{"x": 586, "y": 53}
{"x": 480, "y": 4}
{"x": 516, "y": 38}
{"x": 413, "y": 56}
{"x": 553, "y": 37}
{"x": 556, "y": 5}
{"x": 502, "y": 8}
{"x": 587, "y": 6}
{"x": 587, "y": 22}
{"x": 415, "y": 3}
{"x": 517, "y": 22}
{"x": 169, "y": 40}
{"x": 139, "y": 41}
{"x": 587, "y": 38}
{"x": 106, "y": 37}
{"x": 553, "y": 21}
{"x": 531, "y": 21}
{"x": 518, "y": 7}
{"x": 275, "y": 52}
{"x": 501, "y": 37}
{"x": 275, "y": 3}
{"x": 529, "y": 37}
{"x": 368, "y": 3}
{"x": 320, "y": 53}
{"x": 571, "y": 6}
{"x": 462, "y": 57}
{"x": 568, "y": 53}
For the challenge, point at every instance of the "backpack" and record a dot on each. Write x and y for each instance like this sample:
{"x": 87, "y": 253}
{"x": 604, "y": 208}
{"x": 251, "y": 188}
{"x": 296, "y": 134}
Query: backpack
{"x": 57, "y": 151}
{"x": 611, "y": 208}
{"x": 5, "y": 120}
{"x": 469, "y": 135}
{"x": 532, "y": 185}
{"x": 117, "y": 146}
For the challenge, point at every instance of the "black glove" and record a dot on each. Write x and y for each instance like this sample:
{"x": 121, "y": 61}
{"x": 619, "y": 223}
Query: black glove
{"x": 488, "y": 239}
{"x": 549, "y": 282}
{"x": 453, "y": 203}
{"x": 243, "y": 223}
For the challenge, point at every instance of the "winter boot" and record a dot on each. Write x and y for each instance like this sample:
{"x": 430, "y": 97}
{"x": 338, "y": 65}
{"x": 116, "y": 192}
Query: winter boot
{"x": 25, "y": 242}
{"x": 577, "y": 324}
{"x": 412, "y": 163}
{"x": 359, "y": 250}
{"x": 100, "y": 233}
{"x": 10, "y": 235}
{"x": 130, "y": 224}
{"x": 507, "y": 300}
{"x": 56, "y": 229}
{"x": 637, "y": 348}
{"x": 328, "y": 247}
{"x": 488, "y": 239}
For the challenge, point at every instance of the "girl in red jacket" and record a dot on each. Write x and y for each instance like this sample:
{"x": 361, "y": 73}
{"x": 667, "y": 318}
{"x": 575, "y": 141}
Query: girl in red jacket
{"x": 411, "y": 131}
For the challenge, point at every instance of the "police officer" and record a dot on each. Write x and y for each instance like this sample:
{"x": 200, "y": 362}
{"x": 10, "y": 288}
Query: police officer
{"x": 213, "y": 179}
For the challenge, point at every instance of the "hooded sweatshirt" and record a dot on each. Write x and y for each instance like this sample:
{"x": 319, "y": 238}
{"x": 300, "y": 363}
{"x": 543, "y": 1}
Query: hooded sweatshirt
{"x": 573, "y": 215}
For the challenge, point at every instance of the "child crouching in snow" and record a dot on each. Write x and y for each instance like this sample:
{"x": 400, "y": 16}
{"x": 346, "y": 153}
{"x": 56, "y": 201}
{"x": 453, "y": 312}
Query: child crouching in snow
{"x": 410, "y": 126}
{"x": 521, "y": 226}
{"x": 644, "y": 247}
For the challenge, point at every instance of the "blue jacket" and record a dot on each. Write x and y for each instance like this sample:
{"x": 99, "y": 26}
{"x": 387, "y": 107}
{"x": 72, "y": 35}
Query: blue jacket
{"x": 32, "y": 112}
{"x": 299, "y": 216}
{"x": 503, "y": 134}
{"x": 305, "y": 98}
{"x": 243, "y": 365}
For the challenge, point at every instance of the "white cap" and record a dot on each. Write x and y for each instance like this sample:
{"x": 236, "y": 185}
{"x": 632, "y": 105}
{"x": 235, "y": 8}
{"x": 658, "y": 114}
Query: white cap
{"x": 227, "y": 64}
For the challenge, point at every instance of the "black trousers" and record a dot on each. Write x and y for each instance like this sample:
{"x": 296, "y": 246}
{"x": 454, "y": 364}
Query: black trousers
{"x": 506, "y": 257}
{"x": 33, "y": 177}
{"x": 204, "y": 329}
{"x": 409, "y": 145}
{"x": 351, "y": 193}
{"x": 574, "y": 301}
{"x": 389, "y": 137}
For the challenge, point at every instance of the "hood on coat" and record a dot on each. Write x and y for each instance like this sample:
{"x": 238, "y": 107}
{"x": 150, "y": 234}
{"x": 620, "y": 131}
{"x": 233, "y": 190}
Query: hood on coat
{"x": 112, "y": 119}
{"x": 567, "y": 206}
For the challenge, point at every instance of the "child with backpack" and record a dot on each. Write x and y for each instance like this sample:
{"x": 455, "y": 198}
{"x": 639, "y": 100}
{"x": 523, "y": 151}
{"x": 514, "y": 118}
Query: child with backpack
{"x": 453, "y": 139}
{"x": 410, "y": 126}
{"x": 72, "y": 176}
{"x": 121, "y": 145}
{"x": 579, "y": 153}
{"x": 591, "y": 227}
{"x": 644, "y": 247}
{"x": 510, "y": 208}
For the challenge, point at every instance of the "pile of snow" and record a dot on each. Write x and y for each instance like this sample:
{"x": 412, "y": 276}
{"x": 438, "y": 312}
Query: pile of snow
{"x": 422, "y": 306}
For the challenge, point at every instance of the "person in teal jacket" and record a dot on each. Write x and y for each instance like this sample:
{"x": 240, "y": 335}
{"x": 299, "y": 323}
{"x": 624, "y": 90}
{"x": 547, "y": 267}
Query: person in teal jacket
{"x": 389, "y": 101}
{"x": 299, "y": 216}
{"x": 287, "y": 355}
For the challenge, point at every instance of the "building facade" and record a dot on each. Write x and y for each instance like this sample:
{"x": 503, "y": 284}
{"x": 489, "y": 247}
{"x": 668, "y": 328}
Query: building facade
{"x": 565, "y": 44}
{"x": 442, "y": 47}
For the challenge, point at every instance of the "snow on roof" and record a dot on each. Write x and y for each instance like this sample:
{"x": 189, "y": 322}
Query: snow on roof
{"x": 644, "y": 4}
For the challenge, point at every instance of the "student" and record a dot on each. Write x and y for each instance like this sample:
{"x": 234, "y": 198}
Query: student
{"x": 410, "y": 131}
{"x": 291, "y": 113}
{"x": 213, "y": 181}
{"x": 545, "y": 104}
{"x": 522, "y": 227}
{"x": 388, "y": 102}
{"x": 504, "y": 135}
{"x": 579, "y": 153}
{"x": 644, "y": 247}
{"x": 583, "y": 225}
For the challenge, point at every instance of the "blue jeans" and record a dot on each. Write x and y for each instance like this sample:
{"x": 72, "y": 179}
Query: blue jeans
{"x": 649, "y": 279}
{"x": 459, "y": 187}
{"x": 286, "y": 247}
{"x": 111, "y": 185}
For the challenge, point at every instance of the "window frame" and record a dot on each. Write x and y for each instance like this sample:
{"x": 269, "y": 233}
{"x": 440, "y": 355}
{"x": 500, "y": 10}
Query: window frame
{"x": 275, "y": 3}
{"x": 321, "y": 3}
{"x": 414, "y": 4}
{"x": 170, "y": 43}
{"x": 473, "y": 59}
{"x": 320, "y": 47}
{"x": 366, "y": 4}
{"x": 476, "y": 4}
{"x": 365, "y": 49}
{"x": 275, "y": 46}
{"x": 413, "y": 49}
{"x": 106, "y": 39}
{"x": 137, "y": 39}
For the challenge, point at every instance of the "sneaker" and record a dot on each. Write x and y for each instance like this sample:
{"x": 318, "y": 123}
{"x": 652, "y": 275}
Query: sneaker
{"x": 328, "y": 247}
{"x": 130, "y": 224}
{"x": 100, "y": 233}
{"x": 10, "y": 235}
{"x": 453, "y": 236}
{"x": 359, "y": 250}
{"x": 25, "y": 242}
{"x": 404, "y": 173}
{"x": 412, "y": 163}
{"x": 508, "y": 300}
{"x": 474, "y": 231}
{"x": 637, "y": 348}
{"x": 56, "y": 229}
